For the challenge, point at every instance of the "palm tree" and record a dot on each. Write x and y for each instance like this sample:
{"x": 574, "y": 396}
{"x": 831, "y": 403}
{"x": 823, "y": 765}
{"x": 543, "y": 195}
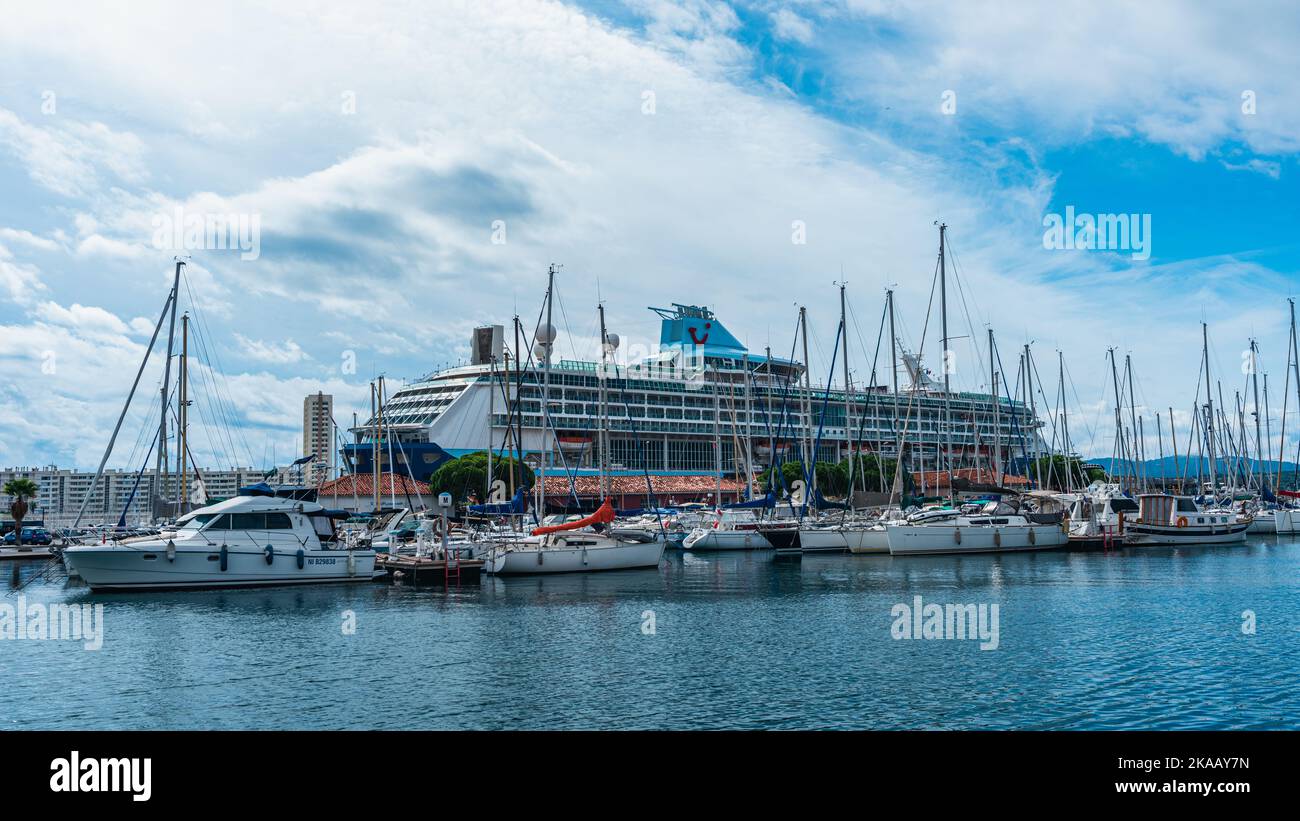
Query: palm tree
{"x": 21, "y": 490}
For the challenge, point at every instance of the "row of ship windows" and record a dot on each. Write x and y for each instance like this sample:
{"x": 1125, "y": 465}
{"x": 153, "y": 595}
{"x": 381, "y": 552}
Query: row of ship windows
{"x": 726, "y": 429}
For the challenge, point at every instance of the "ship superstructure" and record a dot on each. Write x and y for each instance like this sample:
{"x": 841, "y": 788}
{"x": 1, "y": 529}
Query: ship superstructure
{"x": 667, "y": 412}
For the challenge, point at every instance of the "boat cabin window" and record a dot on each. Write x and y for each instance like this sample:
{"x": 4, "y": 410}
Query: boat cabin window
{"x": 1186, "y": 506}
{"x": 252, "y": 521}
{"x": 1123, "y": 505}
{"x": 324, "y": 527}
{"x": 198, "y": 521}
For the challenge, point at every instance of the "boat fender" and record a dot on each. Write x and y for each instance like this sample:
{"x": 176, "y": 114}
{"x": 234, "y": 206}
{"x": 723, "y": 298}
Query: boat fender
{"x": 997, "y": 538}
{"x": 1033, "y": 538}
{"x": 171, "y": 550}
{"x": 270, "y": 554}
{"x": 539, "y": 557}
{"x": 584, "y": 557}
{"x": 352, "y": 563}
{"x": 1182, "y": 521}
{"x": 956, "y": 535}
{"x": 302, "y": 558}
{"x": 225, "y": 558}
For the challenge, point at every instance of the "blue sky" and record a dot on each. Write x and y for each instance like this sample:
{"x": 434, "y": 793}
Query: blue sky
{"x": 376, "y": 215}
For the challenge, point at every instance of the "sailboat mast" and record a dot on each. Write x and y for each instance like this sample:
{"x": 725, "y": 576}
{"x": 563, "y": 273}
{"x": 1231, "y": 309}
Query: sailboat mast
{"x": 1209, "y": 419}
{"x": 1173, "y": 438}
{"x": 383, "y": 440}
{"x": 374, "y": 446}
{"x": 848, "y": 402}
{"x": 1119, "y": 449}
{"x": 947, "y": 357}
{"x": 1254, "y": 381}
{"x": 1268, "y": 431}
{"x": 1065, "y": 423}
{"x": 810, "y": 458}
{"x": 893, "y": 381}
{"x": 749, "y": 429}
{"x": 492, "y": 406}
{"x": 547, "y": 342}
{"x": 1295, "y": 369}
{"x": 996, "y": 450}
{"x": 183, "y": 414}
{"x": 602, "y": 416}
{"x": 717, "y": 440}
{"x": 160, "y": 466}
{"x": 1139, "y": 469}
{"x": 1033, "y": 414}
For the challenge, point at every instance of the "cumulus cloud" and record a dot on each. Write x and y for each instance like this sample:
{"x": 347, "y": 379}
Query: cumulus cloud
{"x": 282, "y": 353}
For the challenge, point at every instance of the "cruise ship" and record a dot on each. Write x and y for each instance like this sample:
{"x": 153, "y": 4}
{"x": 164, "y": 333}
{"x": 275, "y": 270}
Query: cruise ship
{"x": 666, "y": 412}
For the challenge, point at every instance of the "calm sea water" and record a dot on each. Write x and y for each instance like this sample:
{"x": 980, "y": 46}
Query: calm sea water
{"x": 1138, "y": 639}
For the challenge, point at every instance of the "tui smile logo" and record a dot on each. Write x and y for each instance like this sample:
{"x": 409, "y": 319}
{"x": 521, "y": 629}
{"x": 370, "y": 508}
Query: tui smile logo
{"x": 701, "y": 340}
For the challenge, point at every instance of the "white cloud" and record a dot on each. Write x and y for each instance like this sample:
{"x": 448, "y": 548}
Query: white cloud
{"x": 29, "y": 239}
{"x": 787, "y": 25}
{"x": 284, "y": 353}
{"x": 1173, "y": 73}
{"x": 69, "y": 157}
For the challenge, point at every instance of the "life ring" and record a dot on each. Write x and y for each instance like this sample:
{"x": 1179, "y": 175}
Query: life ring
{"x": 1182, "y": 521}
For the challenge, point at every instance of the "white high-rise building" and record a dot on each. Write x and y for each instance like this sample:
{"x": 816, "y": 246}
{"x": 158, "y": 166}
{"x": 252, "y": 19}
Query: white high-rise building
{"x": 60, "y": 492}
{"x": 318, "y": 436}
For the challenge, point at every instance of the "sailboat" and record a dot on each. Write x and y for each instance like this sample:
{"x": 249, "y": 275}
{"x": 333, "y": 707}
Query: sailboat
{"x": 573, "y": 547}
{"x": 587, "y": 544}
{"x": 990, "y": 527}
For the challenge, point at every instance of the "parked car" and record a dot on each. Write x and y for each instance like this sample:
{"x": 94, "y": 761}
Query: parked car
{"x": 31, "y": 536}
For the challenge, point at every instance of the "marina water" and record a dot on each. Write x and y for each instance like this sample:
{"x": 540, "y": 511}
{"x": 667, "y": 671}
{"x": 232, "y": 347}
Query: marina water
{"x": 1150, "y": 638}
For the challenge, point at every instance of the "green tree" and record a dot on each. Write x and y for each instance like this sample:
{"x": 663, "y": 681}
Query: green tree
{"x": 468, "y": 474}
{"x": 1060, "y": 472}
{"x": 21, "y": 490}
{"x": 872, "y": 472}
{"x": 830, "y": 481}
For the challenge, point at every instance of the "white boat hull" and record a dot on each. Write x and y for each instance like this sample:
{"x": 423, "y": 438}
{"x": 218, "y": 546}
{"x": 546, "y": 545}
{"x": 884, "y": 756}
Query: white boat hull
{"x": 935, "y": 539}
{"x": 868, "y": 540}
{"x": 823, "y": 540}
{"x": 533, "y": 559}
{"x": 146, "y": 567}
{"x": 712, "y": 538}
{"x": 1138, "y": 535}
{"x": 1276, "y": 521}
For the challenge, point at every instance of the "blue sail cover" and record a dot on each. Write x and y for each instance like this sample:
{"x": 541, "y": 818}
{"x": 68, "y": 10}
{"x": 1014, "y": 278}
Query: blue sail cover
{"x": 1266, "y": 493}
{"x": 515, "y": 505}
{"x": 821, "y": 502}
{"x": 768, "y": 502}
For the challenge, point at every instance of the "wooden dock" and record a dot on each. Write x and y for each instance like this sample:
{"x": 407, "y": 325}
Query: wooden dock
{"x": 428, "y": 570}
{"x": 13, "y": 553}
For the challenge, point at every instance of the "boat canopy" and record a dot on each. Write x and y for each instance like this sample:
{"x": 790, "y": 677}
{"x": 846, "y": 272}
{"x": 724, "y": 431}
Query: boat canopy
{"x": 603, "y": 516}
{"x": 515, "y": 505}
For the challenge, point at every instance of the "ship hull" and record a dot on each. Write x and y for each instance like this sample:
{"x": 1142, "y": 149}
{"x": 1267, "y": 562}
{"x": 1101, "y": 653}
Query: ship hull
{"x": 535, "y": 560}
{"x": 146, "y": 567}
{"x": 939, "y": 539}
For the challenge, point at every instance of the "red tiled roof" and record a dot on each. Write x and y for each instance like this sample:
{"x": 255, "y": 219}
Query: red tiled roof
{"x": 939, "y": 478}
{"x": 558, "y": 486}
{"x": 363, "y": 484}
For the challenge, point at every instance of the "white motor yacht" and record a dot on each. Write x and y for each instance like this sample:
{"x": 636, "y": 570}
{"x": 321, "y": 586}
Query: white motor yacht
{"x": 245, "y": 541}
{"x": 1174, "y": 520}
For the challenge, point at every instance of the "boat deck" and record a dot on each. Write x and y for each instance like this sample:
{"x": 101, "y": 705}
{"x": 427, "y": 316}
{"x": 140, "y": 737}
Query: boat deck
{"x": 427, "y": 570}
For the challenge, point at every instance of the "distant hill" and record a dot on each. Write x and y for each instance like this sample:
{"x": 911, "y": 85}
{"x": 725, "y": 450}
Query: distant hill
{"x": 1166, "y": 468}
